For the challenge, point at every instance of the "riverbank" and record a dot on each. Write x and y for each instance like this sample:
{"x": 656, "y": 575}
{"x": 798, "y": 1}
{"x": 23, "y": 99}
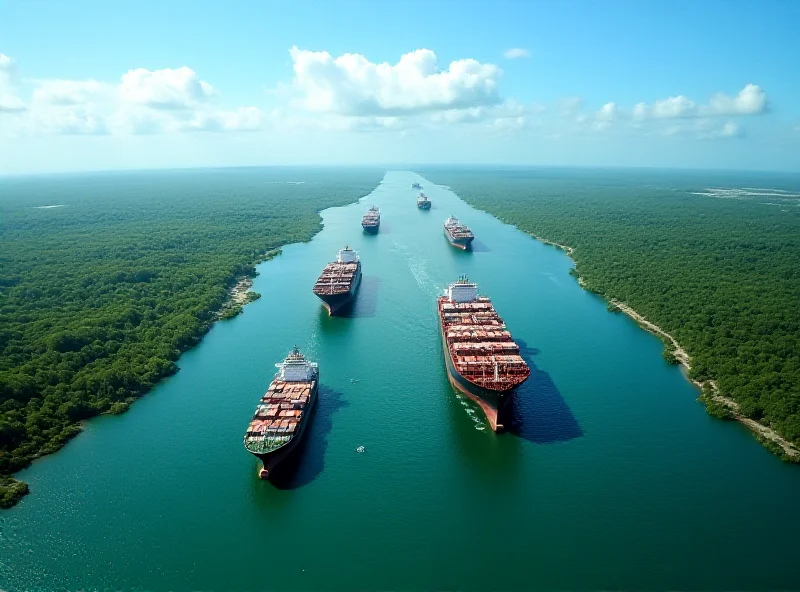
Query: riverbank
{"x": 185, "y": 272}
{"x": 709, "y": 388}
{"x": 238, "y": 296}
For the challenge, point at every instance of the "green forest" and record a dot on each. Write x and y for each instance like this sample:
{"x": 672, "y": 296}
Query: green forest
{"x": 720, "y": 275}
{"x": 100, "y": 295}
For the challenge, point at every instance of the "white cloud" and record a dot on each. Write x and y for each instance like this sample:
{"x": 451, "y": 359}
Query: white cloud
{"x": 751, "y": 100}
{"x": 71, "y": 120}
{"x": 351, "y": 85}
{"x": 142, "y": 102}
{"x": 608, "y": 112}
{"x": 509, "y": 109}
{"x": 516, "y": 53}
{"x": 9, "y": 101}
{"x": 242, "y": 119}
{"x": 730, "y": 129}
{"x": 71, "y": 92}
{"x": 704, "y": 129}
{"x": 180, "y": 88}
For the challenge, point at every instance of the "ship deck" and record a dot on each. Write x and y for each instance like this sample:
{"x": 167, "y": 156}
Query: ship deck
{"x": 279, "y": 415}
{"x": 336, "y": 278}
{"x": 459, "y": 232}
{"x": 480, "y": 346}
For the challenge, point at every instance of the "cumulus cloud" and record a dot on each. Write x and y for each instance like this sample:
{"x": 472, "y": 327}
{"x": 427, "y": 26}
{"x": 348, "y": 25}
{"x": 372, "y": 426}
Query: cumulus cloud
{"x": 179, "y": 88}
{"x": 351, "y": 85}
{"x": 9, "y": 101}
{"x": 142, "y": 102}
{"x": 751, "y": 100}
{"x": 516, "y": 53}
{"x": 704, "y": 129}
{"x": 71, "y": 92}
{"x": 71, "y": 120}
{"x": 242, "y": 119}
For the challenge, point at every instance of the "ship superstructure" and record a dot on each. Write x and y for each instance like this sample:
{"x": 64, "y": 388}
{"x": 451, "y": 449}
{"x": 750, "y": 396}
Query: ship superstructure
{"x": 423, "y": 203}
{"x": 282, "y": 415}
{"x": 371, "y": 220}
{"x": 458, "y": 234}
{"x": 482, "y": 359}
{"x": 338, "y": 283}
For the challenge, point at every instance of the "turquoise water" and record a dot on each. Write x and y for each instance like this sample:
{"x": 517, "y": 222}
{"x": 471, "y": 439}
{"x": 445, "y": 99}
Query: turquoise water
{"x": 614, "y": 476}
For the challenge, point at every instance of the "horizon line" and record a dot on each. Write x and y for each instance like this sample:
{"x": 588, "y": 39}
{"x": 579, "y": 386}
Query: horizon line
{"x": 395, "y": 166}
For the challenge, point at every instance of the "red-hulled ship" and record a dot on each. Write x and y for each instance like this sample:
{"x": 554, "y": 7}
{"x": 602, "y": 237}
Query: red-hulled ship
{"x": 282, "y": 416}
{"x": 482, "y": 359}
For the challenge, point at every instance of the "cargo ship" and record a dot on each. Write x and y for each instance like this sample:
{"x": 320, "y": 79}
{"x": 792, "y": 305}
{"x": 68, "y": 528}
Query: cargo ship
{"x": 482, "y": 359}
{"x": 371, "y": 220}
{"x": 281, "y": 418}
{"x": 416, "y": 186}
{"x": 457, "y": 233}
{"x": 423, "y": 203}
{"x": 338, "y": 283}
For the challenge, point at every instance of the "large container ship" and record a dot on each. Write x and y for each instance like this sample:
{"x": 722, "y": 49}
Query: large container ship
{"x": 371, "y": 220}
{"x": 338, "y": 283}
{"x": 423, "y": 203}
{"x": 482, "y": 359}
{"x": 281, "y": 418}
{"x": 457, "y": 233}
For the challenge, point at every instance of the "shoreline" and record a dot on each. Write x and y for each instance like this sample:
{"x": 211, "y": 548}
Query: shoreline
{"x": 763, "y": 433}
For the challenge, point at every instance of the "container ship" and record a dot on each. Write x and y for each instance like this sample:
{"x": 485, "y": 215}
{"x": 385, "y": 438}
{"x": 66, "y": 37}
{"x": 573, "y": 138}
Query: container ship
{"x": 423, "y": 203}
{"x": 281, "y": 418}
{"x": 457, "y": 233}
{"x": 416, "y": 186}
{"x": 482, "y": 359}
{"x": 338, "y": 283}
{"x": 371, "y": 220}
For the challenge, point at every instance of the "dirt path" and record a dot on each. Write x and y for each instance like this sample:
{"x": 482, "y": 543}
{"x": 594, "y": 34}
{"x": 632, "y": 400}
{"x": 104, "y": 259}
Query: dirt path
{"x": 684, "y": 360}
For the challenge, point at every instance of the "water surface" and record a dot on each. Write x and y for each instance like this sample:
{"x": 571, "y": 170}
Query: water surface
{"x": 614, "y": 476}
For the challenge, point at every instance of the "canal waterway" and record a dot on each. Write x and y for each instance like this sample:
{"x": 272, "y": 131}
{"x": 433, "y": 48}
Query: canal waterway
{"x": 613, "y": 477}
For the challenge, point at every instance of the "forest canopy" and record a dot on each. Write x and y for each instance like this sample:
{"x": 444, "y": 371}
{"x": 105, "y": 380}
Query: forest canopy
{"x": 719, "y": 268}
{"x": 100, "y": 294}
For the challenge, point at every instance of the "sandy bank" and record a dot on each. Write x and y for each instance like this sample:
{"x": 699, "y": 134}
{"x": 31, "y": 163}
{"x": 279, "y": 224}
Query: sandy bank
{"x": 684, "y": 360}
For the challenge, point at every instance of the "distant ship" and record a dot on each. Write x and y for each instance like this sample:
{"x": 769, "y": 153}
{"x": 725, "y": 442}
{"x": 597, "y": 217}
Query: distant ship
{"x": 416, "y": 186}
{"x": 457, "y": 233}
{"x": 339, "y": 280}
{"x": 423, "y": 203}
{"x": 482, "y": 359}
{"x": 282, "y": 416}
{"x": 371, "y": 220}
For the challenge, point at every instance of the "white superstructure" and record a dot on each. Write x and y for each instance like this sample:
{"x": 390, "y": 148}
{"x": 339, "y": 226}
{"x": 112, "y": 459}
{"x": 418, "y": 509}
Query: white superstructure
{"x": 452, "y": 221}
{"x": 462, "y": 291}
{"x": 347, "y": 255}
{"x": 295, "y": 368}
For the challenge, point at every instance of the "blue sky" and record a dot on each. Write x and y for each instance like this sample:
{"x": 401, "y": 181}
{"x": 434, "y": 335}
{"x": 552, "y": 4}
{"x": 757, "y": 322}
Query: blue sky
{"x": 117, "y": 84}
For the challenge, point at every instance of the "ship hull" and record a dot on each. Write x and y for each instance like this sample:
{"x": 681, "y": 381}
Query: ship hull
{"x": 271, "y": 460}
{"x": 492, "y": 403}
{"x": 371, "y": 229}
{"x": 460, "y": 243}
{"x": 424, "y": 205}
{"x": 336, "y": 302}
